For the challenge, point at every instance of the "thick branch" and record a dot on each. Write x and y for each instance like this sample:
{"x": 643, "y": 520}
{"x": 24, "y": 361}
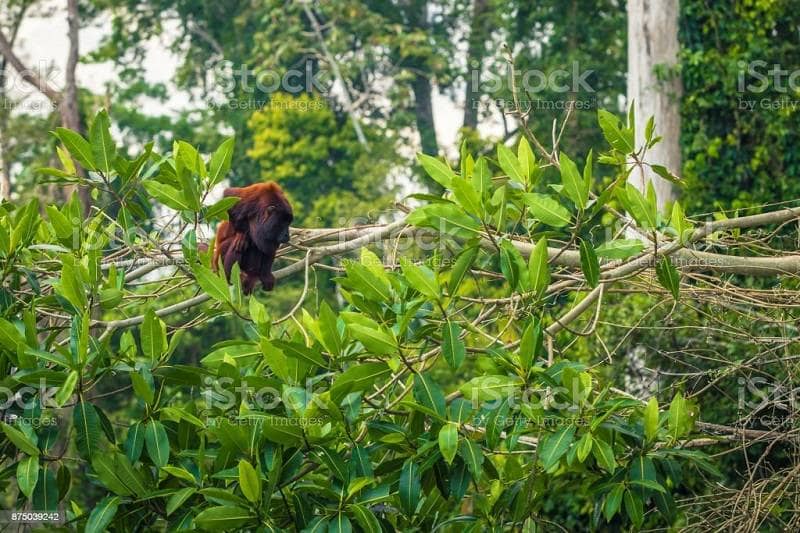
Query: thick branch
{"x": 27, "y": 74}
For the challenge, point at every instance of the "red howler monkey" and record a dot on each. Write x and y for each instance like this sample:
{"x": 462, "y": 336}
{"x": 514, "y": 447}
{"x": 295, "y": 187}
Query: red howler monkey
{"x": 257, "y": 225}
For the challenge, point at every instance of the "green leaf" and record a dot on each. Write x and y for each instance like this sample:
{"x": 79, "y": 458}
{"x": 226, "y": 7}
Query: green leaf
{"x": 584, "y": 446}
{"x": 102, "y": 514}
{"x": 681, "y": 416}
{"x": 87, "y": 429}
{"x": 467, "y": 196}
{"x": 153, "y": 334}
{"x": 221, "y": 161}
{"x": 177, "y": 500}
{"x": 604, "y": 455}
{"x": 538, "y": 271}
{"x": 379, "y": 341}
{"x": 430, "y": 395}
{"x": 460, "y": 268}
{"x": 45, "y": 495}
{"x": 134, "y": 441}
{"x": 217, "y": 209}
{"x": 555, "y": 446}
{"x": 613, "y": 501}
{"x": 590, "y": 265}
{"x": 365, "y": 518}
{"x": 509, "y": 164}
{"x": 67, "y": 388}
{"x": 618, "y": 138}
{"x": 437, "y": 169}
{"x": 490, "y": 388}
{"x": 211, "y": 283}
{"x": 357, "y": 378}
{"x": 421, "y": 278}
{"x": 634, "y": 508}
{"x": 365, "y": 281}
{"x": 530, "y": 344}
{"x": 547, "y": 210}
{"x": 142, "y": 388}
{"x": 78, "y": 147}
{"x": 619, "y": 248}
{"x": 527, "y": 161}
{"x": 10, "y": 337}
{"x": 103, "y": 148}
{"x": 222, "y": 518}
{"x": 278, "y": 429}
{"x": 650, "y": 419}
{"x": 669, "y": 277}
{"x": 472, "y": 455}
{"x": 28, "y": 475}
{"x": 643, "y": 210}
{"x": 574, "y": 185}
{"x": 448, "y": 219}
{"x": 249, "y": 481}
{"x": 678, "y": 221}
{"x": 453, "y": 348}
{"x": 167, "y": 195}
{"x": 156, "y": 442}
{"x": 410, "y": 487}
{"x": 116, "y": 472}
{"x": 448, "y": 442}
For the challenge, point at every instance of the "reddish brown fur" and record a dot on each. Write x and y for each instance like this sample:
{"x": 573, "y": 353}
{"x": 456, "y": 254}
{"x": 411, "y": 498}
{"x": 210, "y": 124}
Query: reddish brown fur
{"x": 258, "y": 224}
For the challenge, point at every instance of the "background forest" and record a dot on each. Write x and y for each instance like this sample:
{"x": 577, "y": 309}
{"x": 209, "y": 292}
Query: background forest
{"x": 484, "y": 212}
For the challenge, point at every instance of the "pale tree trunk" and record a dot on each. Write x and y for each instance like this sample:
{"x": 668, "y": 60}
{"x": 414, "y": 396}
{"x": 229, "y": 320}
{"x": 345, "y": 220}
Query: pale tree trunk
{"x": 476, "y": 51}
{"x": 652, "y": 52}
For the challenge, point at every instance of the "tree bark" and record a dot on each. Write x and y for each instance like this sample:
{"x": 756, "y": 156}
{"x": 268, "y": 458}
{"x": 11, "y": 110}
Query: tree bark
{"x": 654, "y": 87}
{"x": 476, "y": 51}
{"x": 423, "y": 110}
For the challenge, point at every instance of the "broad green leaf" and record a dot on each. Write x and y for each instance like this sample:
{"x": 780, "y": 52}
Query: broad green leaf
{"x": 681, "y": 416}
{"x": 421, "y": 278}
{"x": 437, "y": 169}
{"x": 87, "y": 428}
{"x": 584, "y": 446}
{"x": 669, "y": 277}
{"x": 460, "y": 268}
{"x": 379, "y": 341}
{"x": 28, "y": 475}
{"x": 634, "y": 508}
{"x": 642, "y": 209}
{"x": 555, "y": 446}
{"x": 249, "y": 481}
{"x": 153, "y": 335}
{"x": 10, "y": 337}
{"x": 410, "y": 487}
{"x": 620, "y": 139}
{"x": 220, "y": 162}
{"x": 547, "y": 210}
{"x": 67, "y": 388}
{"x": 490, "y": 388}
{"x": 619, "y": 248}
{"x": 358, "y": 377}
{"x": 448, "y": 219}
{"x": 116, "y": 472}
{"x": 167, "y": 195}
{"x": 530, "y": 344}
{"x": 527, "y": 161}
{"x": 467, "y": 196}
{"x": 430, "y": 395}
{"x": 472, "y": 455}
{"x": 678, "y": 221}
{"x": 45, "y": 495}
{"x": 448, "y": 442}
{"x": 604, "y": 455}
{"x": 103, "y": 148}
{"x": 212, "y": 284}
{"x": 574, "y": 186}
{"x": 102, "y": 514}
{"x": 78, "y": 147}
{"x": 613, "y": 501}
{"x": 365, "y": 518}
{"x": 156, "y": 442}
{"x": 590, "y": 266}
{"x": 453, "y": 348}
{"x": 134, "y": 442}
{"x": 509, "y": 164}
{"x": 177, "y": 500}
{"x": 538, "y": 271}
{"x": 364, "y": 280}
{"x": 222, "y": 518}
{"x": 650, "y": 418}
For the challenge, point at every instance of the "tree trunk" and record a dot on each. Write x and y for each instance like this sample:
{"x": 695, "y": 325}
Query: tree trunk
{"x": 652, "y": 52}
{"x": 68, "y": 106}
{"x": 423, "y": 110}
{"x": 5, "y": 175}
{"x": 476, "y": 51}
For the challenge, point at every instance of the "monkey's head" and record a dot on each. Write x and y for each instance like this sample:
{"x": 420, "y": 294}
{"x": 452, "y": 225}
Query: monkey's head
{"x": 278, "y": 221}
